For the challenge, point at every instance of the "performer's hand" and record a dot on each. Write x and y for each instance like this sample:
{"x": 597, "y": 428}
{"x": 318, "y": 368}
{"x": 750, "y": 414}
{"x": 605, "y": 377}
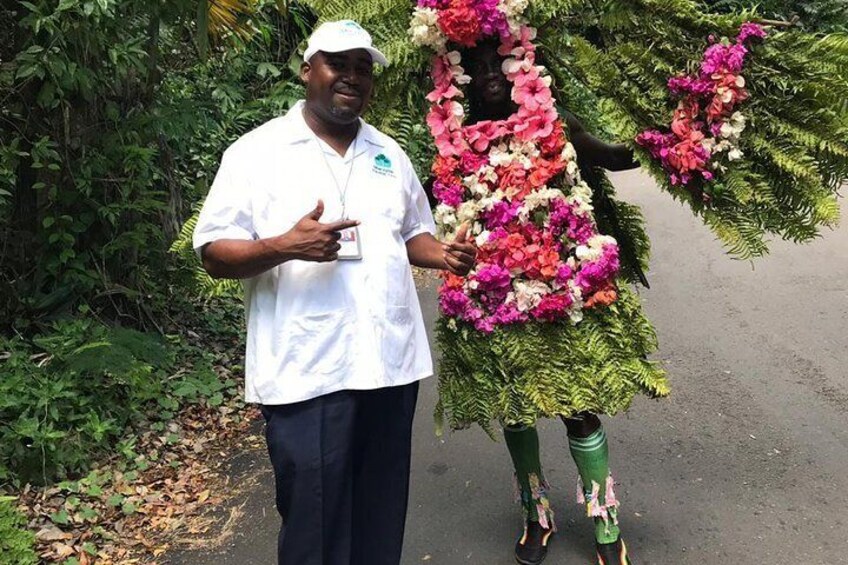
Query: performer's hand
{"x": 460, "y": 255}
{"x": 310, "y": 240}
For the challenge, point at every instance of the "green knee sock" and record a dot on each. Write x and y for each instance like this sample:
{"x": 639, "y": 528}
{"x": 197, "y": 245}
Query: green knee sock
{"x": 591, "y": 455}
{"x": 523, "y": 445}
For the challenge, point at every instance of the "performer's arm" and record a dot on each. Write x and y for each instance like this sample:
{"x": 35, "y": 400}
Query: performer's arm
{"x": 458, "y": 257}
{"x": 592, "y": 152}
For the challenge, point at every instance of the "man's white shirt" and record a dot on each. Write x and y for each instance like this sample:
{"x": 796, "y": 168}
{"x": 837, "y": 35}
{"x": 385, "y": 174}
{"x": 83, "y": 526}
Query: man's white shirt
{"x": 316, "y": 328}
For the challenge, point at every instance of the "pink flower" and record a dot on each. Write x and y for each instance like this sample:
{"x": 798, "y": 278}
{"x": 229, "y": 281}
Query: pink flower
{"x": 482, "y": 134}
{"x": 533, "y": 94}
{"x": 444, "y": 88}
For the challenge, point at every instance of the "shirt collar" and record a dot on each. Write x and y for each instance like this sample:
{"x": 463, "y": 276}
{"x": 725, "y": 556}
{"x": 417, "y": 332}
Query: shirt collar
{"x": 300, "y": 132}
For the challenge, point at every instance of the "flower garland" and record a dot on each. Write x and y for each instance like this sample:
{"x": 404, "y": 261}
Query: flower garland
{"x": 540, "y": 256}
{"x": 706, "y": 126}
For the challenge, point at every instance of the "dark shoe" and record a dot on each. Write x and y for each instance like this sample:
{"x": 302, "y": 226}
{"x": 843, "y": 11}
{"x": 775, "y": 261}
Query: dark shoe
{"x": 613, "y": 553}
{"x": 532, "y": 548}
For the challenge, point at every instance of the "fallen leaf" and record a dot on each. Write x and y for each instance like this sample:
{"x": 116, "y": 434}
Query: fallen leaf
{"x": 52, "y": 533}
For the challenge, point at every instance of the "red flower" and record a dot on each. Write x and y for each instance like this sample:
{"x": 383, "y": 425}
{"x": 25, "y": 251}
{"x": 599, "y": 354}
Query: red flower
{"x": 544, "y": 170}
{"x": 512, "y": 179}
{"x": 553, "y": 145}
{"x": 602, "y": 297}
{"x": 452, "y": 281}
{"x": 445, "y": 168}
{"x": 460, "y": 23}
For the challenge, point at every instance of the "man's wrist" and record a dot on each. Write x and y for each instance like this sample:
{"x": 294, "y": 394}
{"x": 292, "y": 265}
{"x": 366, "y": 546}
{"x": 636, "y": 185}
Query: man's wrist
{"x": 280, "y": 248}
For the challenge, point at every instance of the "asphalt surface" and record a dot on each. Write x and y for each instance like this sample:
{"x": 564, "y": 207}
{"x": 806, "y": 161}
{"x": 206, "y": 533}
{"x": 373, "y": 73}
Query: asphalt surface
{"x": 746, "y": 462}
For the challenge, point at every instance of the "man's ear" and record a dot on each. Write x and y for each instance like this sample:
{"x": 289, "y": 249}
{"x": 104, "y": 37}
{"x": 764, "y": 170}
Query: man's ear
{"x": 305, "y": 69}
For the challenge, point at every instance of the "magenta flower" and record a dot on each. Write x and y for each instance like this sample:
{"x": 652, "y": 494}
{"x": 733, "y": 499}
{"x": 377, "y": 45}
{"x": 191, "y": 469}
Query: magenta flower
{"x": 492, "y": 278}
{"x": 471, "y": 162}
{"x": 501, "y": 214}
{"x": 454, "y": 303}
{"x": 593, "y": 275}
{"x": 553, "y": 306}
{"x": 450, "y": 194}
{"x": 749, "y": 30}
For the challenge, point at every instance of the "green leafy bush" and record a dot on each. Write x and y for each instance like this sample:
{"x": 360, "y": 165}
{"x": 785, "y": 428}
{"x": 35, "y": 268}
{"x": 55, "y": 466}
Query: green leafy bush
{"x": 71, "y": 394}
{"x": 16, "y": 543}
{"x": 814, "y": 15}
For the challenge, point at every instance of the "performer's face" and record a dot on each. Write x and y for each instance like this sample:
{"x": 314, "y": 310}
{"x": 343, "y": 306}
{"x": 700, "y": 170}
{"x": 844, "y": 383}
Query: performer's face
{"x": 339, "y": 85}
{"x": 489, "y": 85}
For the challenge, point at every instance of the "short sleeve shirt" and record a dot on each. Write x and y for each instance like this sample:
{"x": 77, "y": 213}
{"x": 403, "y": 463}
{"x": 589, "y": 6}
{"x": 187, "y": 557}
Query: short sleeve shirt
{"x": 316, "y": 328}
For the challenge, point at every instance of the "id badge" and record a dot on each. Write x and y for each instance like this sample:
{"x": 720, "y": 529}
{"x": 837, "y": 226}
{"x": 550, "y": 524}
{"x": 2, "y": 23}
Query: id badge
{"x": 351, "y": 248}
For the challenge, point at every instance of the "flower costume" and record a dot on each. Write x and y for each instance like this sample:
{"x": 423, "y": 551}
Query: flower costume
{"x": 543, "y": 326}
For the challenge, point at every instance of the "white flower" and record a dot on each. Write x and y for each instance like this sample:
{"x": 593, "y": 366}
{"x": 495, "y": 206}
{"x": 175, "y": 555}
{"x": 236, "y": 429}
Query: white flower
{"x": 445, "y": 217}
{"x": 528, "y": 294}
{"x": 576, "y": 310}
{"x": 511, "y": 66}
{"x": 489, "y": 201}
{"x": 459, "y": 77}
{"x": 576, "y": 314}
{"x": 581, "y": 197}
{"x": 568, "y": 152}
{"x": 424, "y": 29}
{"x": 523, "y": 151}
{"x": 738, "y": 120}
{"x": 541, "y": 197}
{"x": 475, "y": 186}
{"x": 735, "y": 154}
{"x": 499, "y": 156}
{"x": 512, "y": 8}
{"x": 487, "y": 173}
{"x": 468, "y": 211}
{"x": 483, "y": 238}
{"x": 594, "y": 248}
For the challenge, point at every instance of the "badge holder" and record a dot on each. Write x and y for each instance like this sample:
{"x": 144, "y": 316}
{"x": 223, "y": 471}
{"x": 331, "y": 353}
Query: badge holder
{"x": 351, "y": 247}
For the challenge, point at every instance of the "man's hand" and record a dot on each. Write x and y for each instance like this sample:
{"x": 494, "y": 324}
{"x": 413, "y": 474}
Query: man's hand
{"x": 461, "y": 254}
{"x": 310, "y": 240}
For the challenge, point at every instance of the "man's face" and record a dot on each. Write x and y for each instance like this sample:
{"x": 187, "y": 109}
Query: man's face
{"x": 490, "y": 85}
{"x": 339, "y": 85}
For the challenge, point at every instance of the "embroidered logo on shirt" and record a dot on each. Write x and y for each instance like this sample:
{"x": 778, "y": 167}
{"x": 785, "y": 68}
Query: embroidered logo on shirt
{"x": 383, "y": 166}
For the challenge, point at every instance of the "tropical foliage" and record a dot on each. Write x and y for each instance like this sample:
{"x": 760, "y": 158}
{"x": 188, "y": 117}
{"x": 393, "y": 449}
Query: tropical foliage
{"x": 16, "y": 544}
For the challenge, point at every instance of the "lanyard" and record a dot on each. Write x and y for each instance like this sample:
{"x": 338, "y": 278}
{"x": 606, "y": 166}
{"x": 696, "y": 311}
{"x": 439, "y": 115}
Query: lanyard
{"x": 341, "y": 190}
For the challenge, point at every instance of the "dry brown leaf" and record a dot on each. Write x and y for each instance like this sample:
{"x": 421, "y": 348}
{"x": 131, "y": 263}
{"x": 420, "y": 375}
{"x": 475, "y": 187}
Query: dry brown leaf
{"x": 52, "y": 533}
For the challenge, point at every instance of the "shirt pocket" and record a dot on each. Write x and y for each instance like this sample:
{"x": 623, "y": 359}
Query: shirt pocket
{"x": 320, "y": 344}
{"x": 398, "y": 338}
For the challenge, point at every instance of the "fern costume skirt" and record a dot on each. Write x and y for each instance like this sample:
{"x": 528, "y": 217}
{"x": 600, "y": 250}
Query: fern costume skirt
{"x": 521, "y": 373}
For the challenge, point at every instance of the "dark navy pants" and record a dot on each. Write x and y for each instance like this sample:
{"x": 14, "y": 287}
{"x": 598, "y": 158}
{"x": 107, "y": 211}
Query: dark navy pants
{"x": 341, "y": 464}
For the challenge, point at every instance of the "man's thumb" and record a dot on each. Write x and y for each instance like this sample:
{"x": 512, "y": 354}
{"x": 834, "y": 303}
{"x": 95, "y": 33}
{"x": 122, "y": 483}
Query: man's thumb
{"x": 462, "y": 234}
{"x": 317, "y": 212}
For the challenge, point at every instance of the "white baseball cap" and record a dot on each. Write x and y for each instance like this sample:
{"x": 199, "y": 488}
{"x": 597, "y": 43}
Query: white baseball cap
{"x": 344, "y": 35}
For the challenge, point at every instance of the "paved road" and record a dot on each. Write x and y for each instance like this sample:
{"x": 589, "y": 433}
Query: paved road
{"x": 745, "y": 463}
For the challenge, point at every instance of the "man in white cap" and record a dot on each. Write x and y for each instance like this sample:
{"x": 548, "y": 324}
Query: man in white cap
{"x": 321, "y": 216}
